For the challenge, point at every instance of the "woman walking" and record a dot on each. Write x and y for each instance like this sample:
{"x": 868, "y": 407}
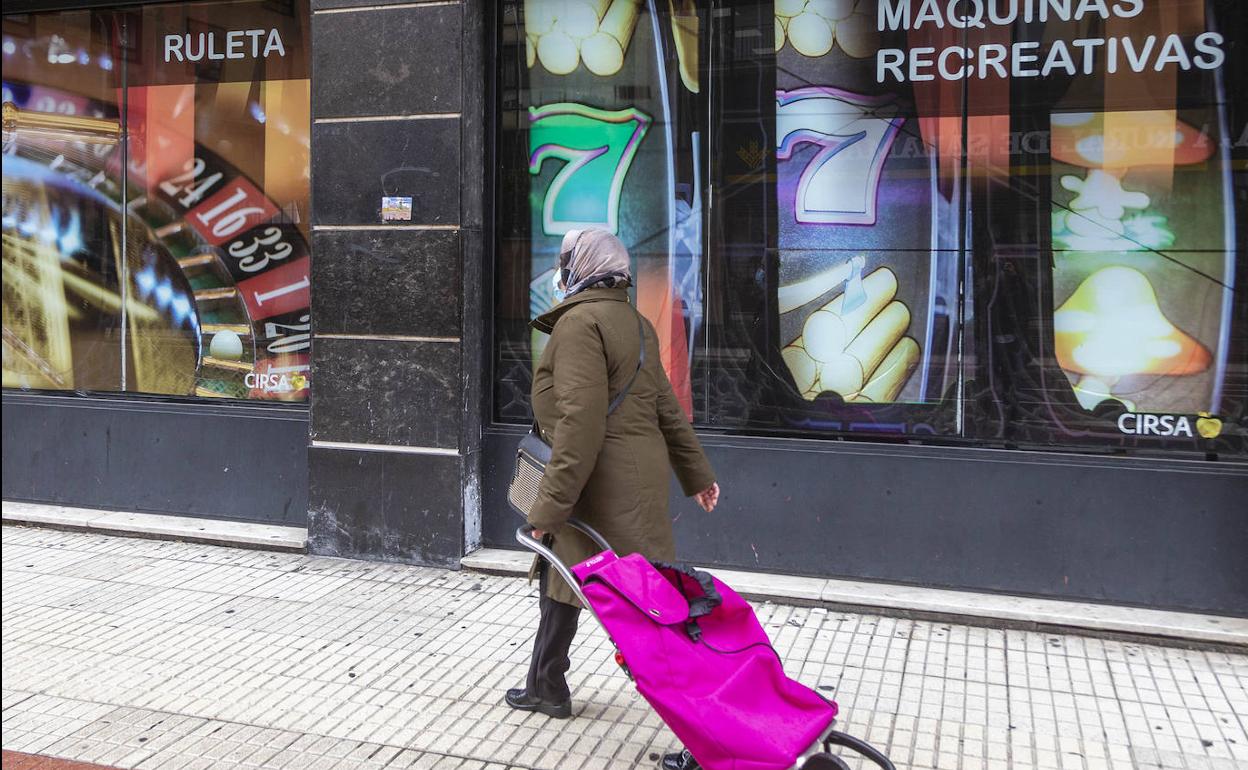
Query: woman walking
{"x": 610, "y": 470}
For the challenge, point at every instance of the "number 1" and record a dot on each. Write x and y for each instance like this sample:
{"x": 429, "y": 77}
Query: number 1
{"x": 261, "y": 298}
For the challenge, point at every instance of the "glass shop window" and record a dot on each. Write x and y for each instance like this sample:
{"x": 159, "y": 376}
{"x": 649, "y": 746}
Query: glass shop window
{"x": 156, "y": 200}
{"x": 1012, "y": 223}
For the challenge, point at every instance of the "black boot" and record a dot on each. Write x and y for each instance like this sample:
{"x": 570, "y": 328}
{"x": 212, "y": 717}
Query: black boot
{"x": 680, "y": 760}
{"x": 520, "y": 700}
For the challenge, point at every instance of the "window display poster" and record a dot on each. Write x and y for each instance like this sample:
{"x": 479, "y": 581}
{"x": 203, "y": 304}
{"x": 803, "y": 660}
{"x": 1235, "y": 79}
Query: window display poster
{"x": 182, "y": 268}
{"x": 1010, "y": 223}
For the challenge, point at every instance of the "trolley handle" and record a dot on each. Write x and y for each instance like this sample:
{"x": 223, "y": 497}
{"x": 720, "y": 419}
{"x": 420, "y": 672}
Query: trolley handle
{"x": 524, "y": 536}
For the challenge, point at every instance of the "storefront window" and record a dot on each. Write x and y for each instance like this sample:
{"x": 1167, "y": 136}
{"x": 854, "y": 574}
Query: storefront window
{"x": 156, "y": 200}
{"x": 1106, "y": 232}
{"x": 1010, "y": 223}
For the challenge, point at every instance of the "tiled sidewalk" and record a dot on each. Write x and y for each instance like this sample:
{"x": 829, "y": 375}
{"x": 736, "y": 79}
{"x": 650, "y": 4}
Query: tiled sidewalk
{"x": 150, "y": 654}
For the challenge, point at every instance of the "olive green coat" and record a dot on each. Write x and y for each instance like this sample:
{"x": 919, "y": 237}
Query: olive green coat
{"x": 614, "y": 473}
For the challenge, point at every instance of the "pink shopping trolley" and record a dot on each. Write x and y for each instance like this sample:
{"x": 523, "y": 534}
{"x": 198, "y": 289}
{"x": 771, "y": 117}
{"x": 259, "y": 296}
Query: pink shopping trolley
{"x": 699, "y": 656}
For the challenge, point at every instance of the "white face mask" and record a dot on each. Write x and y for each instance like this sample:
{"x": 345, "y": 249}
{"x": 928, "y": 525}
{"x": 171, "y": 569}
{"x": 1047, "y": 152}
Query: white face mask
{"x": 565, "y": 246}
{"x": 560, "y": 292}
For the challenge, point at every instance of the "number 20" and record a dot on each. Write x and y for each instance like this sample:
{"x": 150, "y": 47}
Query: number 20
{"x": 289, "y": 343}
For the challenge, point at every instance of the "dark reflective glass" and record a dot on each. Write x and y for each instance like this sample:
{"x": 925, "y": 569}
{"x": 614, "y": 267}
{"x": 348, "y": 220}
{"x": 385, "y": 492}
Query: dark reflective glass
{"x": 1009, "y": 223}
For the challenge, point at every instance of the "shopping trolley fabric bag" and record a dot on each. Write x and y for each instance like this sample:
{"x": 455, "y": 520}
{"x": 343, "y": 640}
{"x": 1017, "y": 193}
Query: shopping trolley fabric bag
{"x": 699, "y": 656}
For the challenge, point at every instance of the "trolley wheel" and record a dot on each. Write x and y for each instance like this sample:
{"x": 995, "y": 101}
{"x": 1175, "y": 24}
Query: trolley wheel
{"x": 823, "y": 761}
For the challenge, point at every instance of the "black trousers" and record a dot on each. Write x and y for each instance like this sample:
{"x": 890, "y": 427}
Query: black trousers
{"x": 555, "y": 633}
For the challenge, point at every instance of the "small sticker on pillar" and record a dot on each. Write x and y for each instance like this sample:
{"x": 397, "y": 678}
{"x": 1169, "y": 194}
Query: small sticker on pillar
{"x": 396, "y": 209}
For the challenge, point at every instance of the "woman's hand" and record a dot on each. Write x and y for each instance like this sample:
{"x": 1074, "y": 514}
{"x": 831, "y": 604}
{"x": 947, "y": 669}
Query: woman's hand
{"x": 708, "y": 498}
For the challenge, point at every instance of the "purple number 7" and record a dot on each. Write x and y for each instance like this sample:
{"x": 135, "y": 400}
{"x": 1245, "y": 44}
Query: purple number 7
{"x": 853, "y": 133}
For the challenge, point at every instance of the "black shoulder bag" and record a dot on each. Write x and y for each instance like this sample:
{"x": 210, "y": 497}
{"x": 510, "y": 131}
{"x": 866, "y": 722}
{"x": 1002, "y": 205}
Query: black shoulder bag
{"x": 533, "y": 454}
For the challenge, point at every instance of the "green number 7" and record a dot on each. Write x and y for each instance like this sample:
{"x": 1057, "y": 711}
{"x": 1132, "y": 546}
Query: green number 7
{"x": 597, "y": 147}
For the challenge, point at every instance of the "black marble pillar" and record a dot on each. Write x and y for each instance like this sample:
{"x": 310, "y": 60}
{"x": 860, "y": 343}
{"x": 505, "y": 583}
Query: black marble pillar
{"x": 398, "y": 103}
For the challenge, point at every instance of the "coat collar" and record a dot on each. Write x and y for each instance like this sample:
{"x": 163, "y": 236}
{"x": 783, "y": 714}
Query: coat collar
{"x": 545, "y": 322}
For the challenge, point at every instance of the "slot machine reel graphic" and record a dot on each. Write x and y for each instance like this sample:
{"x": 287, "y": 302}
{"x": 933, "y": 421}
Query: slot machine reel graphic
{"x": 604, "y": 150}
{"x": 596, "y": 149}
{"x": 1112, "y": 327}
{"x": 813, "y": 27}
{"x": 206, "y": 248}
{"x": 562, "y": 35}
{"x": 1113, "y": 339}
{"x": 853, "y": 133}
{"x": 854, "y": 345}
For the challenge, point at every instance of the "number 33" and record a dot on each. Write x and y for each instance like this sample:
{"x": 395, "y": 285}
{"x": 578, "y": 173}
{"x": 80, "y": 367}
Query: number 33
{"x": 244, "y": 253}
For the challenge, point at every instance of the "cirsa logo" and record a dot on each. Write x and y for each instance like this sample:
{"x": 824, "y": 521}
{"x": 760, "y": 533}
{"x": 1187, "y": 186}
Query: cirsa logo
{"x": 275, "y": 383}
{"x": 1169, "y": 425}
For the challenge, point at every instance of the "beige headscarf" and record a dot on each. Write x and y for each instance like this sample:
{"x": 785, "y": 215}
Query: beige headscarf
{"x": 593, "y": 259}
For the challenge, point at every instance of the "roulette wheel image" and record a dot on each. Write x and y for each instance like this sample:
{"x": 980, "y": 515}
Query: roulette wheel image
{"x": 63, "y": 304}
{"x": 179, "y": 277}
